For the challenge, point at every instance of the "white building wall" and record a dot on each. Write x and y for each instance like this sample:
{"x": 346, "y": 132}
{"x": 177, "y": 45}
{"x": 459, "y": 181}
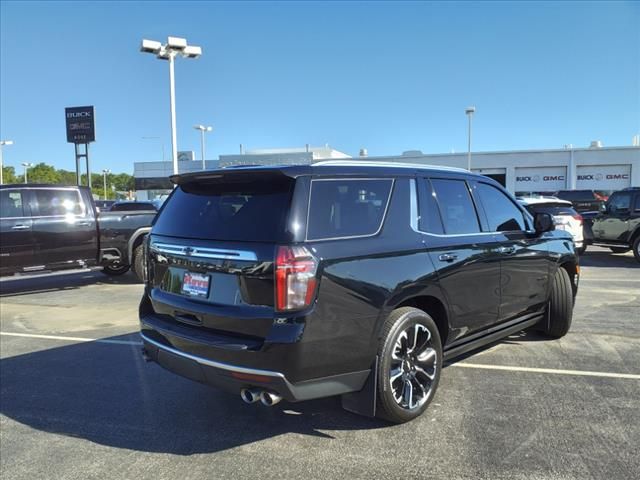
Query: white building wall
{"x": 549, "y": 161}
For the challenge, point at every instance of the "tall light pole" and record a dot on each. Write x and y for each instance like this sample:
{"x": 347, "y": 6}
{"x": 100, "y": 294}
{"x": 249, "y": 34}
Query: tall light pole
{"x": 104, "y": 181}
{"x": 202, "y": 129}
{"x": 175, "y": 46}
{"x": 26, "y": 166}
{"x": 2, "y": 144}
{"x": 469, "y": 111}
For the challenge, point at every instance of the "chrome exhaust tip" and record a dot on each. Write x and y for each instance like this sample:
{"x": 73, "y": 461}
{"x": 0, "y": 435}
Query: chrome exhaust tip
{"x": 270, "y": 398}
{"x": 250, "y": 395}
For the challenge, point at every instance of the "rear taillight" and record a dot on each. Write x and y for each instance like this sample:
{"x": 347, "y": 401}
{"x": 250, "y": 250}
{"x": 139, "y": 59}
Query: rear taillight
{"x": 295, "y": 278}
{"x": 578, "y": 217}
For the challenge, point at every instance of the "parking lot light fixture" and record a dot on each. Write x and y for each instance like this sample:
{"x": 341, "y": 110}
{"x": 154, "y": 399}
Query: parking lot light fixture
{"x": 2, "y": 144}
{"x": 26, "y": 166}
{"x": 104, "y": 178}
{"x": 203, "y": 130}
{"x": 174, "y": 47}
{"x": 469, "y": 111}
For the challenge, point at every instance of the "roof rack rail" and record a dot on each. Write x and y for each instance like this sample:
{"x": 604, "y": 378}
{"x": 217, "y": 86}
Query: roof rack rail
{"x": 380, "y": 163}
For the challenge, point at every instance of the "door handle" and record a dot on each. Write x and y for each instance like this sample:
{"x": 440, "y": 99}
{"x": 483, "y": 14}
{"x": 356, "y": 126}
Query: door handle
{"x": 506, "y": 250}
{"x": 447, "y": 257}
{"x": 20, "y": 227}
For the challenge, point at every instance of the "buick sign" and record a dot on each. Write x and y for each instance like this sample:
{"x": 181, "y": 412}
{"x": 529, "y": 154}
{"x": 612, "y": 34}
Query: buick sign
{"x": 80, "y": 124}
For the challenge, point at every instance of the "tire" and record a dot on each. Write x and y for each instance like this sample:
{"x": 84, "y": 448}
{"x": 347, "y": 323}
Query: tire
{"x": 138, "y": 262}
{"x": 397, "y": 400}
{"x": 560, "y": 307}
{"x": 636, "y": 248}
{"x": 619, "y": 249}
{"x": 115, "y": 270}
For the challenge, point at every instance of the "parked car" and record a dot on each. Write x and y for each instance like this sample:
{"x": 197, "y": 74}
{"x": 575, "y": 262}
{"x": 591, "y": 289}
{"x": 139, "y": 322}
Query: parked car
{"x": 564, "y": 216}
{"x": 49, "y": 228}
{"x": 345, "y": 278}
{"x": 132, "y": 206}
{"x": 582, "y": 200}
{"x": 618, "y": 225}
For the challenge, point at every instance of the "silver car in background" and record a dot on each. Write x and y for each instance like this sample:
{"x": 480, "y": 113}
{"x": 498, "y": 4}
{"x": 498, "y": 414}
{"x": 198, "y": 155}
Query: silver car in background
{"x": 564, "y": 215}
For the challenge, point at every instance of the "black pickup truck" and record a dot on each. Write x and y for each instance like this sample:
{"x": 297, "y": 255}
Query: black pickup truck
{"x": 50, "y": 227}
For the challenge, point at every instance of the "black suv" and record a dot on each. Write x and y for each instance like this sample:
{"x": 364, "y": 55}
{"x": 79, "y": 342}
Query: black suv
{"x": 345, "y": 278}
{"x": 618, "y": 225}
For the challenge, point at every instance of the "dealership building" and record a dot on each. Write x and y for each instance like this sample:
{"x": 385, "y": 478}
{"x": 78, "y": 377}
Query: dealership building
{"x": 604, "y": 169}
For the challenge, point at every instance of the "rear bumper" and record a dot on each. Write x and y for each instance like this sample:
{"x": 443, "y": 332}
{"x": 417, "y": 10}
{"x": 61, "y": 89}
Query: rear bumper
{"x": 233, "y": 378}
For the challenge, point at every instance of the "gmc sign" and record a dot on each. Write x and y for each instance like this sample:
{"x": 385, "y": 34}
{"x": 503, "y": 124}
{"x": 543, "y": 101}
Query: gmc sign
{"x": 80, "y": 124}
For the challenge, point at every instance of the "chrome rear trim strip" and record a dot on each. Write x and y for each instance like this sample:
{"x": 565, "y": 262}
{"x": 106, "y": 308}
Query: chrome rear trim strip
{"x": 202, "y": 252}
{"x": 212, "y": 363}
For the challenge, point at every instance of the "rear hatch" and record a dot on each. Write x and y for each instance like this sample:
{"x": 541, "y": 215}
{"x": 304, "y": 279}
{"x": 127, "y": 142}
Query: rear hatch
{"x": 212, "y": 251}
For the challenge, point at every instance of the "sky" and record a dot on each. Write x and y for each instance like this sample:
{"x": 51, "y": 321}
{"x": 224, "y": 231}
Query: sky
{"x": 386, "y": 76}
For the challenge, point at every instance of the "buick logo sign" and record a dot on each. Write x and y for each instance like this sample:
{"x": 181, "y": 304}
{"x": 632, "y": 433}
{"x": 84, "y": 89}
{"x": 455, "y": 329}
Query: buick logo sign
{"x": 599, "y": 176}
{"x": 188, "y": 251}
{"x": 536, "y": 178}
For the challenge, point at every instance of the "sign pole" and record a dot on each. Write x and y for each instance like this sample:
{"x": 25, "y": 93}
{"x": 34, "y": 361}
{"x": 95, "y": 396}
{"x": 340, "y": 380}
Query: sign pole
{"x": 78, "y": 177}
{"x": 86, "y": 156}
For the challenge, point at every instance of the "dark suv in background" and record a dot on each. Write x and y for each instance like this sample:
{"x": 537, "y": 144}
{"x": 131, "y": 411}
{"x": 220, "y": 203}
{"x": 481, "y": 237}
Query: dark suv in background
{"x": 345, "y": 278}
{"x": 618, "y": 224}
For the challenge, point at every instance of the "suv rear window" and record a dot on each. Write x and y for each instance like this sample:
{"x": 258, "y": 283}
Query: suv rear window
{"x": 341, "y": 208}
{"x": 576, "y": 195}
{"x": 552, "y": 209}
{"x": 132, "y": 207}
{"x": 227, "y": 210}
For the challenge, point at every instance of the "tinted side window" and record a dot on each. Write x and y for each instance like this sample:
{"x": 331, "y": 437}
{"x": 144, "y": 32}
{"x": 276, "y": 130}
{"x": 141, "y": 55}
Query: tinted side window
{"x": 11, "y": 204}
{"x": 429, "y": 220}
{"x": 502, "y": 213}
{"x": 620, "y": 202}
{"x": 347, "y": 208}
{"x": 58, "y": 202}
{"x": 456, "y": 207}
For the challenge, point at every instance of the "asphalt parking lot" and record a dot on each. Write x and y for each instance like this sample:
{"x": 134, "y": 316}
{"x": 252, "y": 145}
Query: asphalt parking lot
{"x": 522, "y": 408}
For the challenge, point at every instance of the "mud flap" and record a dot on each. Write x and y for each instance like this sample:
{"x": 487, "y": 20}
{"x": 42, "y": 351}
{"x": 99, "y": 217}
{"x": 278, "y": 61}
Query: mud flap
{"x": 364, "y": 401}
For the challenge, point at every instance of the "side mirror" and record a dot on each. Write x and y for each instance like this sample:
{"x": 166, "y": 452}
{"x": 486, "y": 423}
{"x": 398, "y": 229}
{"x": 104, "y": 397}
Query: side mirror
{"x": 543, "y": 222}
{"x": 603, "y": 208}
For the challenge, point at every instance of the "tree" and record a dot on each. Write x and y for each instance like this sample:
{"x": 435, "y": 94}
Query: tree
{"x": 43, "y": 173}
{"x": 9, "y": 175}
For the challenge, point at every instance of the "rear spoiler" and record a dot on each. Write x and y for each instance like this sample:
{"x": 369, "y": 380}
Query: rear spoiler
{"x": 236, "y": 173}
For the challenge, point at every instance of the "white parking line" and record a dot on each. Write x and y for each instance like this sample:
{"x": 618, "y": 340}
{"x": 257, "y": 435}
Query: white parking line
{"x": 583, "y": 373}
{"x": 71, "y": 339}
{"x": 553, "y": 371}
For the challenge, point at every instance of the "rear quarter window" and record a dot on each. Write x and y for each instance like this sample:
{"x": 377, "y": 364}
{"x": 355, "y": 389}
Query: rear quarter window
{"x": 343, "y": 208}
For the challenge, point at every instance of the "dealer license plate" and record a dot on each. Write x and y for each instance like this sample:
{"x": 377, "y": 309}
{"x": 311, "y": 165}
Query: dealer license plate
{"x": 195, "y": 284}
